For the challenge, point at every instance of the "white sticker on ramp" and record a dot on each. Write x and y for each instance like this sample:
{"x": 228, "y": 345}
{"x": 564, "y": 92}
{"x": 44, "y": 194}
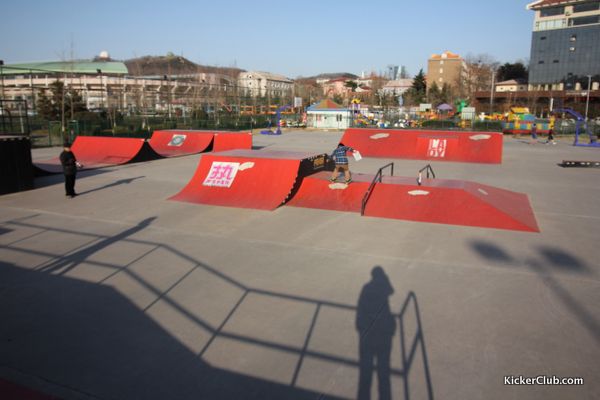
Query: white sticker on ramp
{"x": 480, "y": 137}
{"x": 337, "y": 186}
{"x": 482, "y": 191}
{"x": 418, "y": 192}
{"x": 177, "y": 140}
{"x": 221, "y": 174}
{"x": 246, "y": 165}
{"x": 379, "y": 136}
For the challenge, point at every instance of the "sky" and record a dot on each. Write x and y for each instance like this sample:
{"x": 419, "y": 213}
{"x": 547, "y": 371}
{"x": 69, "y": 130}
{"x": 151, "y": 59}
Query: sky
{"x": 291, "y": 38}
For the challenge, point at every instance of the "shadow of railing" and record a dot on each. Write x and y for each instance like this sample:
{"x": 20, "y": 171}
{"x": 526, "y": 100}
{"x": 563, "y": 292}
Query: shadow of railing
{"x": 551, "y": 259}
{"x": 60, "y": 264}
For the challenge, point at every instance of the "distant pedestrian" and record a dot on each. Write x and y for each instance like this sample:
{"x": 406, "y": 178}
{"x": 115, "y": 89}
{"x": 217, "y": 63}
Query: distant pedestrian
{"x": 533, "y": 132}
{"x": 70, "y": 165}
{"x": 550, "y": 137}
{"x": 341, "y": 162}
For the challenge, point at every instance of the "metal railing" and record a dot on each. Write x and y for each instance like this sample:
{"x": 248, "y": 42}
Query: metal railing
{"x": 427, "y": 169}
{"x": 376, "y": 179}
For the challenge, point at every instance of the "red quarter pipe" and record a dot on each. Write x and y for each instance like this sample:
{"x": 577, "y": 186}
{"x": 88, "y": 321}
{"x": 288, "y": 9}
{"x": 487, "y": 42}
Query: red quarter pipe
{"x": 476, "y": 147}
{"x": 173, "y": 143}
{"x": 248, "y": 179}
{"x": 100, "y": 151}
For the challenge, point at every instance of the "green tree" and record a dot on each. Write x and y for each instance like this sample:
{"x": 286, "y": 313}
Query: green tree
{"x": 509, "y": 71}
{"x": 419, "y": 82}
{"x": 45, "y": 108}
{"x": 417, "y": 93}
{"x": 351, "y": 85}
{"x": 433, "y": 94}
{"x": 60, "y": 101}
{"x": 74, "y": 102}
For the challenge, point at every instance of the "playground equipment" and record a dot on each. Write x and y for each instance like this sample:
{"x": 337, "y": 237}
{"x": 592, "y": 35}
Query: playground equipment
{"x": 519, "y": 121}
{"x": 579, "y": 123}
{"x": 278, "y": 121}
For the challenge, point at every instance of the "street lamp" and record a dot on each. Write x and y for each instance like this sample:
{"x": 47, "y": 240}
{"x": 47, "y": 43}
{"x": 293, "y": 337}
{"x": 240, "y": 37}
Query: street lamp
{"x": 2, "y": 75}
{"x": 492, "y": 90}
{"x": 99, "y": 72}
{"x": 587, "y": 100}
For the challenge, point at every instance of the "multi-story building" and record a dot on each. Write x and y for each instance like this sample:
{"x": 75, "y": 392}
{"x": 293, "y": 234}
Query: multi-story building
{"x": 264, "y": 84}
{"x": 107, "y": 84}
{"x": 397, "y": 87}
{"x": 565, "y": 45}
{"x": 445, "y": 68}
{"x": 336, "y": 87}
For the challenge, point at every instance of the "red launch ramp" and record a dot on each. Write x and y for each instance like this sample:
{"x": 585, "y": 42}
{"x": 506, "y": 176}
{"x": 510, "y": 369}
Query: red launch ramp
{"x": 454, "y": 202}
{"x": 174, "y": 143}
{"x": 476, "y": 147}
{"x": 248, "y": 178}
{"x": 101, "y": 151}
{"x": 441, "y": 201}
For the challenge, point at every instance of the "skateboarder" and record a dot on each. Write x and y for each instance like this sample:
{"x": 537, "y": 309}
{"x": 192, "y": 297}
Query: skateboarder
{"x": 70, "y": 165}
{"x": 341, "y": 162}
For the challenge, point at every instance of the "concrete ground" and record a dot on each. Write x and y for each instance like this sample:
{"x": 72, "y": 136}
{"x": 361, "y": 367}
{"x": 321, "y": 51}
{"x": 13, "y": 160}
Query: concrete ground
{"x": 123, "y": 294}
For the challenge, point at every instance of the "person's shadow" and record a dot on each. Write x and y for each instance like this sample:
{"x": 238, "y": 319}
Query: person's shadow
{"x": 376, "y": 327}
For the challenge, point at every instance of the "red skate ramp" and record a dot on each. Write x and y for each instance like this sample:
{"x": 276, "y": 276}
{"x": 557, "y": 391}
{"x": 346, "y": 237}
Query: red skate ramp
{"x": 248, "y": 178}
{"x": 439, "y": 201}
{"x": 101, "y": 151}
{"x": 451, "y": 202}
{"x": 232, "y": 140}
{"x": 174, "y": 143}
{"x": 476, "y": 147}
{"x": 316, "y": 191}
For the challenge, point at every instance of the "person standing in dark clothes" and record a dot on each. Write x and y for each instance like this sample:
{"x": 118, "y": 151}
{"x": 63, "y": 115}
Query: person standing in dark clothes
{"x": 70, "y": 165}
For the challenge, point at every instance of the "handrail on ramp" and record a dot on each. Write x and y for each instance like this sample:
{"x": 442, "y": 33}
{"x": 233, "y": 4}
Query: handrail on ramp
{"x": 428, "y": 169}
{"x": 377, "y": 178}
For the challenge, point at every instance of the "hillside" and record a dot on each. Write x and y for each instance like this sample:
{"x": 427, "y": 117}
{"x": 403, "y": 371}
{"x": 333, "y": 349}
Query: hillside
{"x": 172, "y": 65}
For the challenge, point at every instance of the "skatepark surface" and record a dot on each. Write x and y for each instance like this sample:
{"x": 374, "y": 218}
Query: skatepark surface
{"x": 121, "y": 293}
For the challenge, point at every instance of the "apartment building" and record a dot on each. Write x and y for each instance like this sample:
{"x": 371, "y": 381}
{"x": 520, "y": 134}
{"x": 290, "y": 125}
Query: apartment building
{"x": 445, "y": 68}
{"x": 265, "y": 84}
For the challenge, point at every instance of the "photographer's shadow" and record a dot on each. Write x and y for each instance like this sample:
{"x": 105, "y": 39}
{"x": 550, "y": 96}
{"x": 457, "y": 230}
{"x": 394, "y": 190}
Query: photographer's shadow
{"x": 377, "y": 327}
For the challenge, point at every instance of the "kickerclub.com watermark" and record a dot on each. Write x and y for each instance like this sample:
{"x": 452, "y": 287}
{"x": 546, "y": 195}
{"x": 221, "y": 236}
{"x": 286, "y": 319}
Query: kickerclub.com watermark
{"x": 541, "y": 380}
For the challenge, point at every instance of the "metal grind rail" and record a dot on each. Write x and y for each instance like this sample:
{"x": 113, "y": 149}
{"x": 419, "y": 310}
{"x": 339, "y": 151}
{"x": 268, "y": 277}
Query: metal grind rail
{"x": 376, "y": 179}
{"x": 427, "y": 169}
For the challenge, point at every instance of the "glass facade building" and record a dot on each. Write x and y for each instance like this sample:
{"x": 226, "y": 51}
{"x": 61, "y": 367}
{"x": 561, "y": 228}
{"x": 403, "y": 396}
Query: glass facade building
{"x": 565, "y": 45}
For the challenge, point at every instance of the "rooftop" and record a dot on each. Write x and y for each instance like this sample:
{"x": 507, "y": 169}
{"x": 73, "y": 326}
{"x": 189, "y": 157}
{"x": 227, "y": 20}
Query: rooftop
{"x": 67, "y": 67}
{"x": 550, "y": 3}
{"x": 445, "y": 55}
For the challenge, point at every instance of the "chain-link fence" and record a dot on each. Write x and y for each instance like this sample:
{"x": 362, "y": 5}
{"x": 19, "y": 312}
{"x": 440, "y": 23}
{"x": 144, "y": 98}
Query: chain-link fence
{"x": 50, "y": 133}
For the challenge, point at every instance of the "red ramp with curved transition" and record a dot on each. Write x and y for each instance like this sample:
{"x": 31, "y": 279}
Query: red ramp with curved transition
{"x": 174, "y": 143}
{"x": 102, "y": 151}
{"x": 476, "y": 147}
{"x": 442, "y": 201}
{"x": 248, "y": 179}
